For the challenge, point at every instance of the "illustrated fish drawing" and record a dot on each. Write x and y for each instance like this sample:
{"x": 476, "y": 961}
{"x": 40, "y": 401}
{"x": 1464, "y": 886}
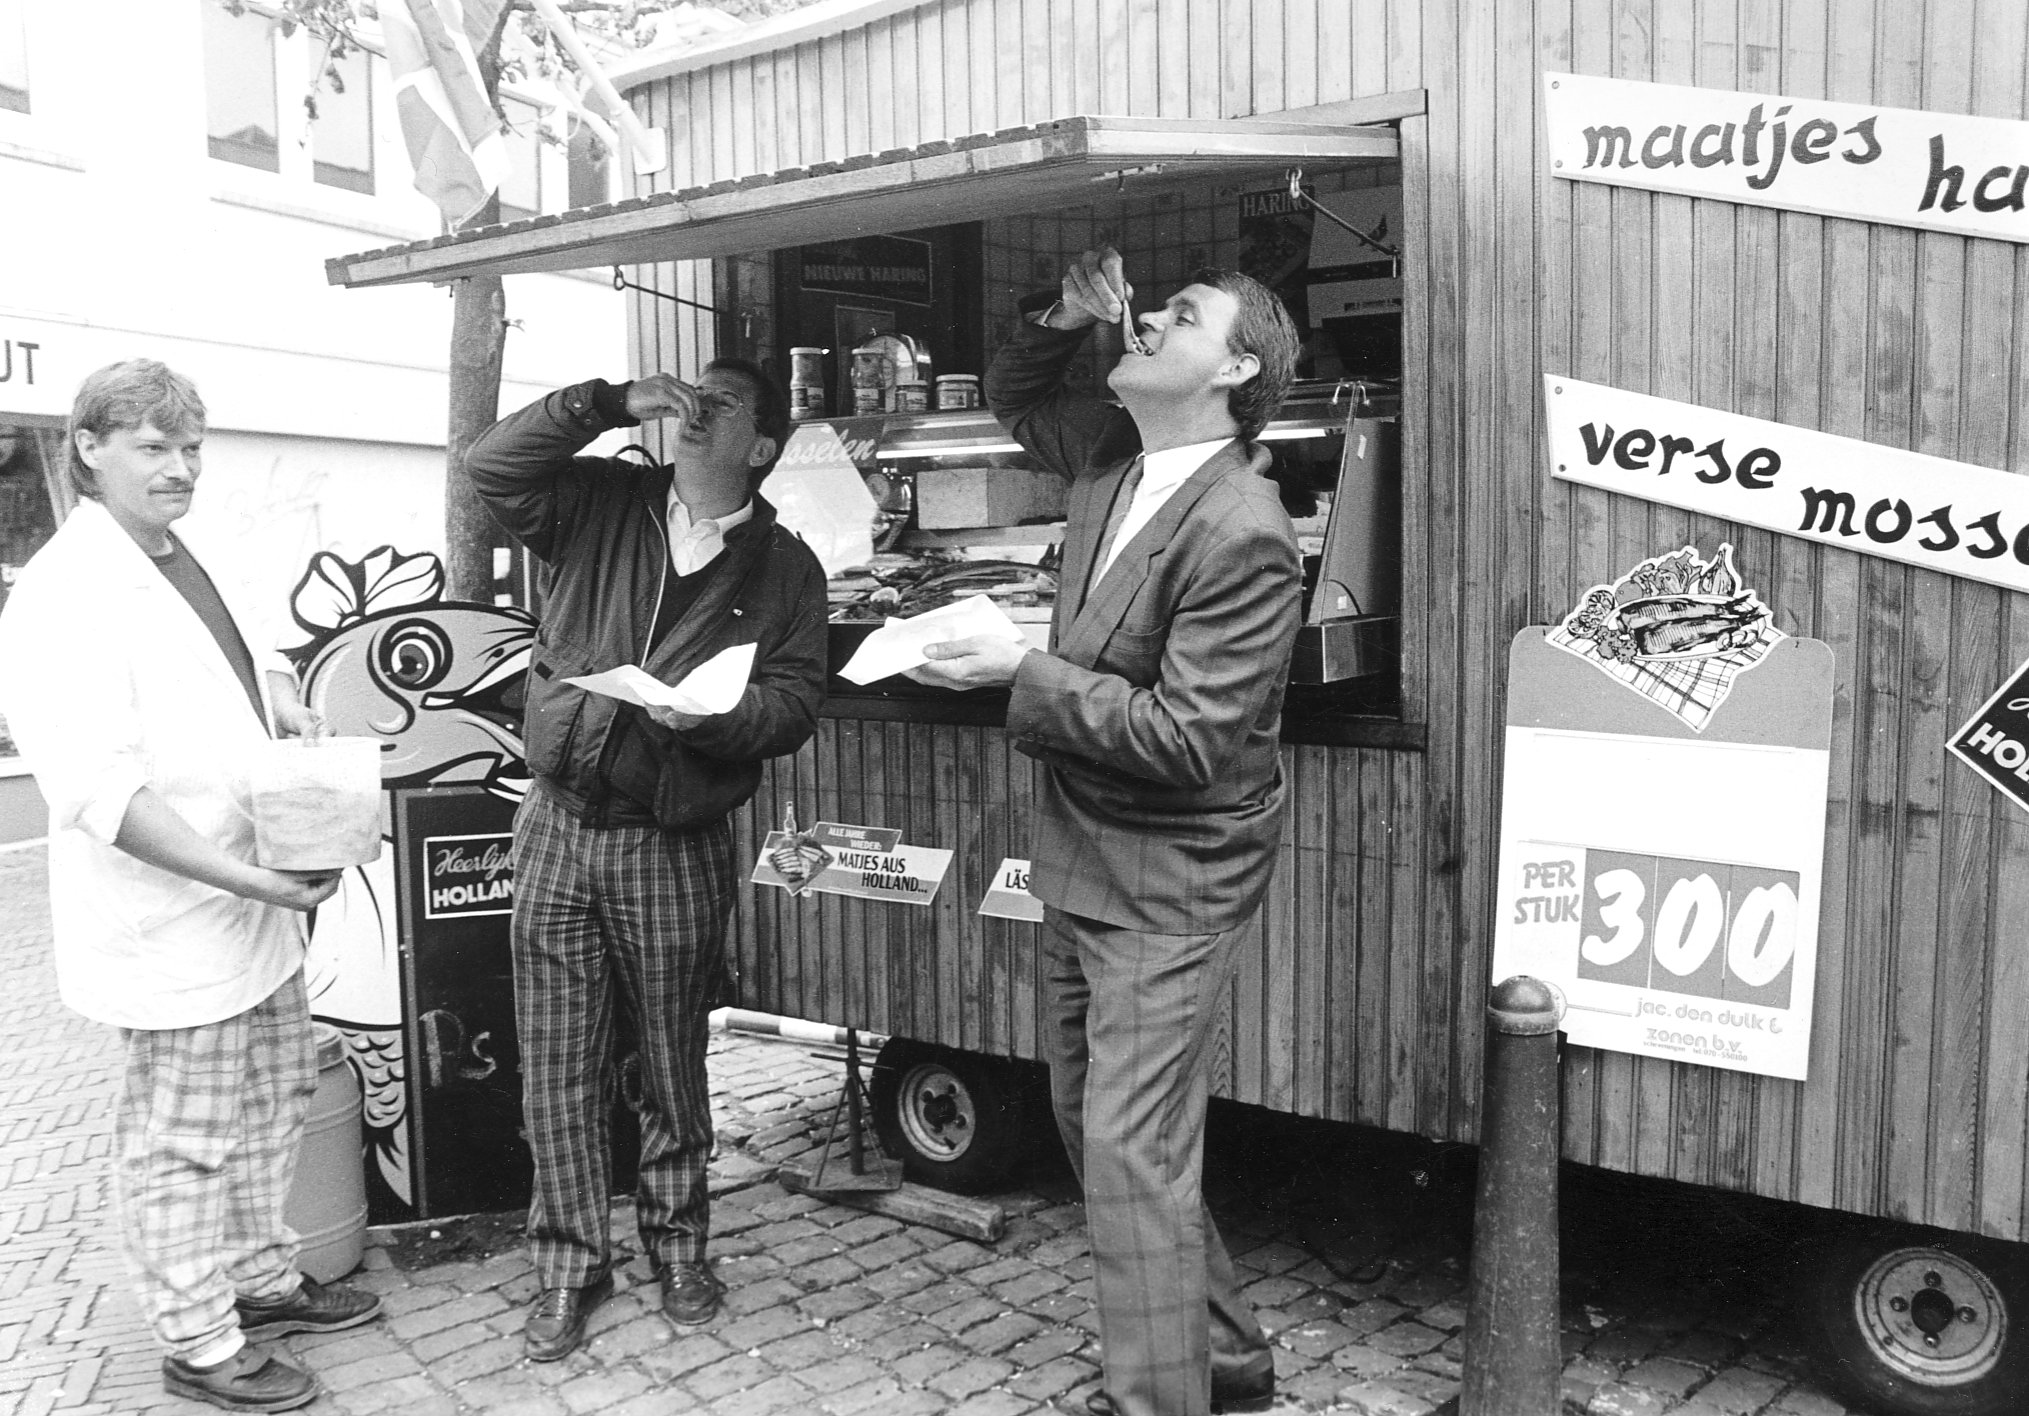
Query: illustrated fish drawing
{"x": 440, "y": 684}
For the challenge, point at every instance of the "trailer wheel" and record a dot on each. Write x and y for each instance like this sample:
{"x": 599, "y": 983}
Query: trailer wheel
{"x": 1922, "y": 1324}
{"x": 954, "y": 1118}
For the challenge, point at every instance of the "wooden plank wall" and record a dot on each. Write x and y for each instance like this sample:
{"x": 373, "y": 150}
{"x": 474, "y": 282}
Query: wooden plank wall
{"x": 1363, "y": 999}
{"x": 1918, "y": 1064}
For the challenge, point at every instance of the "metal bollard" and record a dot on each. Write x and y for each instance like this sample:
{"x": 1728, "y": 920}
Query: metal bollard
{"x": 1513, "y": 1358}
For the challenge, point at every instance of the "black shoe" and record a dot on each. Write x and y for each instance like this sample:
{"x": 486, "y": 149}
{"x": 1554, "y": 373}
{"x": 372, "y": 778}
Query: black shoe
{"x": 315, "y": 1307}
{"x": 690, "y": 1294}
{"x": 556, "y": 1324}
{"x": 1242, "y": 1391}
{"x": 252, "y": 1379}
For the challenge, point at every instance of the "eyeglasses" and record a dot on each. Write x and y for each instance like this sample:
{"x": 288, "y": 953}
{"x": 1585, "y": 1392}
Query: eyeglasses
{"x": 712, "y": 402}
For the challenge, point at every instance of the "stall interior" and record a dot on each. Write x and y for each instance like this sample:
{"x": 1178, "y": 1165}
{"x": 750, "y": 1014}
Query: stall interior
{"x": 884, "y": 336}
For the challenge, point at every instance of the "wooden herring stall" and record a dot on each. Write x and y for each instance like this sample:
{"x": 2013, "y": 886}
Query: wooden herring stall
{"x": 1767, "y": 221}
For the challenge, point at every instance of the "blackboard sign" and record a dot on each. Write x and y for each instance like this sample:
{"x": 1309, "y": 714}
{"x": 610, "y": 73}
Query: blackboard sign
{"x": 454, "y": 894}
{"x": 1996, "y": 742}
{"x": 894, "y": 268}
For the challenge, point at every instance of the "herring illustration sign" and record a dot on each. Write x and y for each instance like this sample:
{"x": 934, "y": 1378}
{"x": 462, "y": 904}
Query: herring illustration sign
{"x": 1926, "y": 511}
{"x": 1936, "y": 171}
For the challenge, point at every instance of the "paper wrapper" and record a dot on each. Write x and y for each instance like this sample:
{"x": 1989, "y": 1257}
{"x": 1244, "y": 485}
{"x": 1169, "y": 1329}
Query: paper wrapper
{"x": 316, "y": 803}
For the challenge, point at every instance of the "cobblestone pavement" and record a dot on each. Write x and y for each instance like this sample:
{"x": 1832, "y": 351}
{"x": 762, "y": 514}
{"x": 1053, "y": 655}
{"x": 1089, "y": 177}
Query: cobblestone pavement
{"x": 1354, "y": 1244}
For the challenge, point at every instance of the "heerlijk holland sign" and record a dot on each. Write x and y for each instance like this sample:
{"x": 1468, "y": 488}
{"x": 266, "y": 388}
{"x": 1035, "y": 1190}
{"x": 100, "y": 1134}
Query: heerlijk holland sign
{"x": 1937, "y": 171}
{"x": 1996, "y": 742}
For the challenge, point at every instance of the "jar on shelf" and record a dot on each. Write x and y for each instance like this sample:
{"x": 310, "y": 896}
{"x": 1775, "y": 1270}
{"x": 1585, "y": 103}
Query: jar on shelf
{"x": 912, "y": 396}
{"x": 958, "y": 391}
{"x": 873, "y": 373}
{"x": 806, "y": 382}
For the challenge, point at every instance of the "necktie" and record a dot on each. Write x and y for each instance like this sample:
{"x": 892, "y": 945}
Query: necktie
{"x": 1123, "y": 502}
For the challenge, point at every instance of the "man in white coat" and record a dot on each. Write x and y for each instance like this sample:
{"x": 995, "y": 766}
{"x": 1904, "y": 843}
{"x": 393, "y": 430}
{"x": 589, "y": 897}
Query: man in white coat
{"x": 132, "y": 692}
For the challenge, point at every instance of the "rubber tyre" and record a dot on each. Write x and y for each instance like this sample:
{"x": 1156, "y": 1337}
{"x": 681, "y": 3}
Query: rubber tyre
{"x": 1880, "y": 1291}
{"x": 954, "y": 1118}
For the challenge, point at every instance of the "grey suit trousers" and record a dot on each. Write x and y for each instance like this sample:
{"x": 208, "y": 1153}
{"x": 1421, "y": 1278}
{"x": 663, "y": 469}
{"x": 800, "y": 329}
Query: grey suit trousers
{"x": 1127, "y": 1035}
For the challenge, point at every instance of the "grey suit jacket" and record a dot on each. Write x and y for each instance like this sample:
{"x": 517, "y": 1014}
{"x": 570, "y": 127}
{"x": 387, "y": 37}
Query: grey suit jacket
{"x": 1157, "y": 708}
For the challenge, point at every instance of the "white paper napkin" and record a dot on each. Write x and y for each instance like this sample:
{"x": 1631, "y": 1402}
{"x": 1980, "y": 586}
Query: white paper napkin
{"x": 711, "y": 688}
{"x": 898, "y": 645}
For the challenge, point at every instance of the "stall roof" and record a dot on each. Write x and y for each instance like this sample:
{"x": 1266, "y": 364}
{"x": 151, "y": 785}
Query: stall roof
{"x": 1068, "y": 162}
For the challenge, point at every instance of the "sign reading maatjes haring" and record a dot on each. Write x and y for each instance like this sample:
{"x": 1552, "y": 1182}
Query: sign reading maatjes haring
{"x": 1880, "y": 501}
{"x": 1938, "y": 171}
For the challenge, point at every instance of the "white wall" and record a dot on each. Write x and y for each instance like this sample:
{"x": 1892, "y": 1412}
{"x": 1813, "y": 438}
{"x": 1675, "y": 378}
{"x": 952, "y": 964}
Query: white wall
{"x": 120, "y": 235}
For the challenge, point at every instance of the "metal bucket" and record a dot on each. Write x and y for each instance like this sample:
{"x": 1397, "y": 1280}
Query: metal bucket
{"x": 327, "y": 1201}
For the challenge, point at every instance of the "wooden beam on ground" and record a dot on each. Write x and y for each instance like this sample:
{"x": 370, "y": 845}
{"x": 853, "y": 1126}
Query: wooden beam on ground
{"x": 979, "y": 1220}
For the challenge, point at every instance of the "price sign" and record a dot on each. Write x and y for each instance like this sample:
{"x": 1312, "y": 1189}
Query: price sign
{"x": 1008, "y": 896}
{"x": 1706, "y": 951}
{"x": 1667, "y": 879}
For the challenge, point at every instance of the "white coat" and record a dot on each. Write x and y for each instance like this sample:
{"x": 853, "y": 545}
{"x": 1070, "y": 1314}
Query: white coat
{"x": 109, "y": 682}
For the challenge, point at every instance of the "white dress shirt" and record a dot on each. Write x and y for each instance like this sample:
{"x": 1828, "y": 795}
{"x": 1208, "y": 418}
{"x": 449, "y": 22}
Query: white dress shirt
{"x": 693, "y": 545}
{"x": 1161, "y": 474}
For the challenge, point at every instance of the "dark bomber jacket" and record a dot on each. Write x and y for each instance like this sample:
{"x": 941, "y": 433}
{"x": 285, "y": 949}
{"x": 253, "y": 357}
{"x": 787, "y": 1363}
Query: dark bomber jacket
{"x": 599, "y": 524}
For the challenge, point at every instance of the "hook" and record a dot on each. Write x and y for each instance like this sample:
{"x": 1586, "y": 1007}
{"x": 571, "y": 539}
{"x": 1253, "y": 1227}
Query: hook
{"x": 1295, "y": 176}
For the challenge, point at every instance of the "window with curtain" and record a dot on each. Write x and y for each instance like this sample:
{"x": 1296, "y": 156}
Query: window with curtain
{"x": 341, "y": 135}
{"x": 239, "y": 88}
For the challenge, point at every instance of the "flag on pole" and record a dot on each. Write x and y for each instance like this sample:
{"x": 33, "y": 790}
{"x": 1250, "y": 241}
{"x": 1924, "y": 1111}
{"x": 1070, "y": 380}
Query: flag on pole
{"x": 448, "y": 123}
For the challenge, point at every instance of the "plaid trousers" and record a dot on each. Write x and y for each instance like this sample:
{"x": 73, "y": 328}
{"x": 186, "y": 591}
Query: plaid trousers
{"x": 205, "y": 1138}
{"x": 641, "y": 912}
{"x": 1129, "y": 1020}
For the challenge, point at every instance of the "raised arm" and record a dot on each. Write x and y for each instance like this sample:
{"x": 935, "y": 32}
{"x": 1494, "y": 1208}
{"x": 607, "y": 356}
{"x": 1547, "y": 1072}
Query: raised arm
{"x": 526, "y": 468}
{"x": 1069, "y": 432}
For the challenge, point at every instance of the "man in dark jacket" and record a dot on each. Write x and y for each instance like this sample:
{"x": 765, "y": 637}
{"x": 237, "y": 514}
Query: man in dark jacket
{"x": 624, "y": 870}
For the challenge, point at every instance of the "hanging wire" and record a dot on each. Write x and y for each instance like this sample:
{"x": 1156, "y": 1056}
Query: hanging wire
{"x": 1298, "y": 194}
{"x": 621, "y": 282}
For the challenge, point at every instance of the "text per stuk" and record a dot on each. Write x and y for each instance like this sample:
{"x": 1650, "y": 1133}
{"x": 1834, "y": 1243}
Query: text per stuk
{"x": 1825, "y": 510}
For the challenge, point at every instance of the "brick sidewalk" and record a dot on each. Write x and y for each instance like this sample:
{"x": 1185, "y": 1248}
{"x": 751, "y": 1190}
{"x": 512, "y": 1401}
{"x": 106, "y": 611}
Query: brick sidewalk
{"x": 830, "y": 1310}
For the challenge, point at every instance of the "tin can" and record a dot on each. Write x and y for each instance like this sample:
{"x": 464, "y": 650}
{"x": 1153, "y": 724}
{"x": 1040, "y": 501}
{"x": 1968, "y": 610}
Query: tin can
{"x": 958, "y": 391}
{"x": 912, "y": 397}
{"x": 806, "y": 382}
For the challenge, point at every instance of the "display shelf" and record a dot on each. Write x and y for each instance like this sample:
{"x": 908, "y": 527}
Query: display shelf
{"x": 917, "y": 539}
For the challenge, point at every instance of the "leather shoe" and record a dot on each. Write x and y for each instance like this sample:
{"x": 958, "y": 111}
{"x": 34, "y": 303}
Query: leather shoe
{"x": 690, "y": 1294}
{"x": 252, "y": 1379}
{"x": 315, "y": 1307}
{"x": 556, "y": 1324}
{"x": 1239, "y": 1391}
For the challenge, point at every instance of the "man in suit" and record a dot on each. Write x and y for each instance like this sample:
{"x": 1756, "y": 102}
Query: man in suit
{"x": 1156, "y": 714}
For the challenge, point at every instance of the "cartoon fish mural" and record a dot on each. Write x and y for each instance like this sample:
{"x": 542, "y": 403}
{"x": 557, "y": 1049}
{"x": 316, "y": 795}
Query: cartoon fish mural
{"x": 439, "y": 683}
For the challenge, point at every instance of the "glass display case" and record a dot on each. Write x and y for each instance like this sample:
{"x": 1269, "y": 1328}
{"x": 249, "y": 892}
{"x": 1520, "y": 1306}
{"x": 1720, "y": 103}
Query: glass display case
{"x": 965, "y": 511}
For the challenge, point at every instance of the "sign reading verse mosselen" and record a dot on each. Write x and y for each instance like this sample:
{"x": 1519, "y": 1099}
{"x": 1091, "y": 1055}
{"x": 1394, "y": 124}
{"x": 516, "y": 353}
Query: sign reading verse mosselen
{"x": 1926, "y": 511}
{"x": 1936, "y": 171}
